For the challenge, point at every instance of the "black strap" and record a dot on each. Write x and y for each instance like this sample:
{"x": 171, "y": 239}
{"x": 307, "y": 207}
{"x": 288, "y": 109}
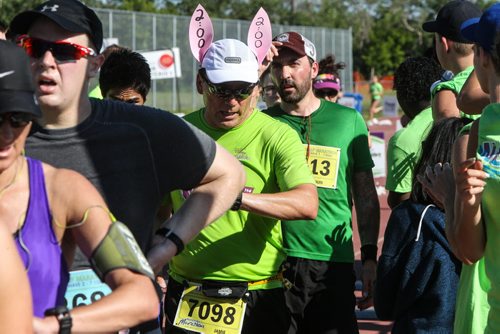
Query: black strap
{"x": 167, "y": 233}
{"x": 177, "y": 241}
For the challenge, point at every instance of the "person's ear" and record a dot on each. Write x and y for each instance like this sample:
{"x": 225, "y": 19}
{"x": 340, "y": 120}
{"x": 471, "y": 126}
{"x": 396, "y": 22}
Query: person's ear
{"x": 199, "y": 83}
{"x": 94, "y": 65}
{"x": 446, "y": 43}
{"x": 484, "y": 57}
{"x": 314, "y": 70}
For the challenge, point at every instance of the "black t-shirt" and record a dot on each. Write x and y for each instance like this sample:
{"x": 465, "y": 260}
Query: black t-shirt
{"x": 133, "y": 155}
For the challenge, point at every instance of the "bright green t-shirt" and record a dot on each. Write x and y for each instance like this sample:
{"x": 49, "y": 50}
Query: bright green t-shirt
{"x": 338, "y": 148}
{"x": 376, "y": 90}
{"x": 240, "y": 246}
{"x": 403, "y": 152}
{"x": 96, "y": 92}
{"x": 471, "y": 311}
{"x": 488, "y": 151}
{"x": 455, "y": 85}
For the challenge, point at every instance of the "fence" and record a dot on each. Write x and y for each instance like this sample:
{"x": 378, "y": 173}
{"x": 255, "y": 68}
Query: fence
{"x": 148, "y": 32}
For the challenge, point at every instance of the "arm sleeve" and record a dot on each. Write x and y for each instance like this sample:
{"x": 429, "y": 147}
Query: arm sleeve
{"x": 400, "y": 165}
{"x": 183, "y": 154}
{"x": 290, "y": 163}
{"x": 361, "y": 152}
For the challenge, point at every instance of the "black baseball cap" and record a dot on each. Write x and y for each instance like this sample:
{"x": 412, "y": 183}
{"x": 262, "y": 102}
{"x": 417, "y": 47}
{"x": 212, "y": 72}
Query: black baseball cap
{"x": 16, "y": 85}
{"x": 450, "y": 18}
{"x": 71, "y": 15}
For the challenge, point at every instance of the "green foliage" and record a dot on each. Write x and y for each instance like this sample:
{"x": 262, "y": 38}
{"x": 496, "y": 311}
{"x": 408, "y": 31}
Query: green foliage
{"x": 9, "y": 8}
{"x": 385, "y": 32}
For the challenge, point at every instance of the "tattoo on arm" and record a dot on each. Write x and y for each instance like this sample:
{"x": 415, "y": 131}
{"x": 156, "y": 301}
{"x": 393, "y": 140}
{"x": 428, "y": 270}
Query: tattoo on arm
{"x": 367, "y": 207}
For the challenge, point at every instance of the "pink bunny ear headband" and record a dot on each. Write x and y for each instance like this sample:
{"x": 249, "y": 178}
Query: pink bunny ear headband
{"x": 229, "y": 59}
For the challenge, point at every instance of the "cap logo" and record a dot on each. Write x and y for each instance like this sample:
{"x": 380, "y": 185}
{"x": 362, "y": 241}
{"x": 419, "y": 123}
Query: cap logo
{"x": 52, "y": 8}
{"x": 232, "y": 60}
{"x": 4, "y": 74}
{"x": 310, "y": 48}
{"x": 283, "y": 38}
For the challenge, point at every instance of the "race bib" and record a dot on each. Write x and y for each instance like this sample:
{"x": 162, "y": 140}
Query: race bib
{"x": 324, "y": 163}
{"x": 84, "y": 288}
{"x": 202, "y": 314}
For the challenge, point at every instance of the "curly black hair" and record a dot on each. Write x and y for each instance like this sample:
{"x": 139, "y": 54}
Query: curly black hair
{"x": 328, "y": 65}
{"x": 123, "y": 69}
{"x": 412, "y": 82}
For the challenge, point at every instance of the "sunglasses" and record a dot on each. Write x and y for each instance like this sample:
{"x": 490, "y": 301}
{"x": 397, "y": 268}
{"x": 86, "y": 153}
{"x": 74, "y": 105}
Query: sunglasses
{"x": 223, "y": 93}
{"x": 16, "y": 120}
{"x": 322, "y": 93}
{"x": 62, "y": 51}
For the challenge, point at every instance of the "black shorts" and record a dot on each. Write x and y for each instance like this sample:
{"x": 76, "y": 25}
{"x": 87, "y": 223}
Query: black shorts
{"x": 321, "y": 299}
{"x": 265, "y": 313}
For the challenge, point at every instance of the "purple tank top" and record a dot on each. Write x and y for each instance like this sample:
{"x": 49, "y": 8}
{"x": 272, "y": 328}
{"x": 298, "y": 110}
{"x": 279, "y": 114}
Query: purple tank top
{"x": 39, "y": 249}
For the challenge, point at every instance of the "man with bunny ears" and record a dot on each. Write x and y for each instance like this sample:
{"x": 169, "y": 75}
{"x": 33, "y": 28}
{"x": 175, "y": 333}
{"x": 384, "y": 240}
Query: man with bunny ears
{"x": 229, "y": 276}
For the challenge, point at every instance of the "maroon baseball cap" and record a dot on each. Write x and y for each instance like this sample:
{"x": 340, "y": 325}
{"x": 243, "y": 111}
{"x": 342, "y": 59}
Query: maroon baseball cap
{"x": 297, "y": 43}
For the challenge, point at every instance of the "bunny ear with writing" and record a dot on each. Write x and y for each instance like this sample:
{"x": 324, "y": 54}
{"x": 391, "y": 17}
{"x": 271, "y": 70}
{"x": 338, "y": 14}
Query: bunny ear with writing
{"x": 260, "y": 35}
{"x": 201, "y": 33}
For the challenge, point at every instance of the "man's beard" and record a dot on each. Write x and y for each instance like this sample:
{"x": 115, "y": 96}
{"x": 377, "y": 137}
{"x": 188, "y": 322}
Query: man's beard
{"x": 300, "y": 91}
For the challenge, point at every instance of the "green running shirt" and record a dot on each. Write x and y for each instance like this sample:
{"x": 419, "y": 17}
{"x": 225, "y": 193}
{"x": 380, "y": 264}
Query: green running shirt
{"x": 333, "y": 131}
{"x": 240, "y": 246}
{"x": 488, "y": 151}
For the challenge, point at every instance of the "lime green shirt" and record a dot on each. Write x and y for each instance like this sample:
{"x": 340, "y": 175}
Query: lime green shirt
{"x": 455, "y": 85}
{"x": 376, "y": 90}
{"x": 404, "y": 150}
{"x": 96, "y": 92}
{"x": 337, "y": 140}
{"x": 471, "y": 310}
{"x": 488, "y": 151}
{"x": 241, "y": 246}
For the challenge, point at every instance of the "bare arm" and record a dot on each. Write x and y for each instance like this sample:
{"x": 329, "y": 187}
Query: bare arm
{"x": 444, "y": 105}
{"x": 368, "y": 220}
{"x": 469, "y": 181}
{"x": 133, "y": 299}
{"x": 16, "y": 311}
{"x": 395, "y": 198}
{"x": 300, "y": 202}
{"x": 216, "y": 193}
{"x": 472, "y": 99}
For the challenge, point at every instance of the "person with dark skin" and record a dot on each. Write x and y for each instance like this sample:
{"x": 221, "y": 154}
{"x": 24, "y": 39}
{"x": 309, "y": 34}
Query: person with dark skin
{"x": 412, "y": 80}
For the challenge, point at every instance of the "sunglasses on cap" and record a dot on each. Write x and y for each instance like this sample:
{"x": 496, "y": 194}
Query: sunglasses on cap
{"x": 16, "y": 119}
{"x": 224, "y": 93}
{"x": 62, "y": 51}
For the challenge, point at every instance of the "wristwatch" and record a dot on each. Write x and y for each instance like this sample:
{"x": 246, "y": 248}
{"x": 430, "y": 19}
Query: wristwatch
{"x": 63, "y": 317}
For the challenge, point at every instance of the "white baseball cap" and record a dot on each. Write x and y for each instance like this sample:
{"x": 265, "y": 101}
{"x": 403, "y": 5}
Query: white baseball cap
{"x": 230, "y": 60}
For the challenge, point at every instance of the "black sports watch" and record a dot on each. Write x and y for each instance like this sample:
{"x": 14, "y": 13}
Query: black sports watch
{"x": 63, "y": 317}
{"x": 237, "y": 203}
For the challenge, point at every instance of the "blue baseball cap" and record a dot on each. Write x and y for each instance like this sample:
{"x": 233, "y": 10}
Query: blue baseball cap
{"x": 483, "y": 30}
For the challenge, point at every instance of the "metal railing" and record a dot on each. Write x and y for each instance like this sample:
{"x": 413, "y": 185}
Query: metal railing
{"x": 148, "y": 31}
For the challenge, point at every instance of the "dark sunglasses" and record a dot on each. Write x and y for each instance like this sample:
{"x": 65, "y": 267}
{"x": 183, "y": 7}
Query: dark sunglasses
{"x": 223, "y": 93}
{"x": 322, "y": 93}
{"x": 16, "y": 120}
{"x": 62, "y": 51}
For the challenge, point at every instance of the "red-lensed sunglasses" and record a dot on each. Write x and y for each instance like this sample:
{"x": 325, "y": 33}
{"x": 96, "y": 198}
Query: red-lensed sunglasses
{"x": 62, "y": 51}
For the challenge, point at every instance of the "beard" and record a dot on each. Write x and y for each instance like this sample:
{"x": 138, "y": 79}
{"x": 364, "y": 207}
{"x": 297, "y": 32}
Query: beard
{"x": 300, "y": 91}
